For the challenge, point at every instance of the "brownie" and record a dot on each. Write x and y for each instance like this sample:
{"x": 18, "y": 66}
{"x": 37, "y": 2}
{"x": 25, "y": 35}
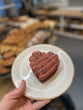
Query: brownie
{"x": 43, "y": 64}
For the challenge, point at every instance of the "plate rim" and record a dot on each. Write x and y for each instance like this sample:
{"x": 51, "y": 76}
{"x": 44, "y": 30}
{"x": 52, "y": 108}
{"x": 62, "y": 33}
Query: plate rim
{"x": 64, "y": 89}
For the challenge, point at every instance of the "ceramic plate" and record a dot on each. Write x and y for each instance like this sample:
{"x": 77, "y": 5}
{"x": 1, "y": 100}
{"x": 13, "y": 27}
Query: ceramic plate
{"x": 52, "y": 88}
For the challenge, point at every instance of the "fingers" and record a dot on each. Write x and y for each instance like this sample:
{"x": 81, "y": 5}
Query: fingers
{"x": 28, "y": 104}
{"x": 19, "y": 91}
{"x": 40, "y": 104}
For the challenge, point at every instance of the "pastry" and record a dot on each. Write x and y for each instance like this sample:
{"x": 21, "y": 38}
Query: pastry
{"x": 44, "y": 25}
{"x": 38, "y": 38}
{"x": 23, "y": 18}
{"x": 5, "y": 48}
{"x": 8, "y": 54}
{"x": 17, "y": 53}
{"x": 12, "y": 39}
{"x": 43, "y": 64}
{"x": 50, "y": 23}
{"x": 1, "y": 61}
{"x": 26, "y": 39}
{"x": 9, "y": 40}
{"x": 4, "y": 70}
{"x": 19, "y": 49}
{"x": 8, "y": 62}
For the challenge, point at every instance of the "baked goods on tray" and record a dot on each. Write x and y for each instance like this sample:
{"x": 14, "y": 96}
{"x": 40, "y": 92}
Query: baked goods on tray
{"x": 8, "y": 62}
{"x": 4, "y": 70}
{"x": 16, "y": 42}
{"x": 1, "y": 61}
{"x": 23, "y": 18}
{"x": 39, "y": 38}
{"x": 8, "y": 54}
{"x": 44, "y": 64}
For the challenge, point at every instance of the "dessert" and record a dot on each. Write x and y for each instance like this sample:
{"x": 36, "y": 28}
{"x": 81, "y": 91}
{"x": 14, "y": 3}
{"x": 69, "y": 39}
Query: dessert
{"x": 23, "y": 18}
{"x": 8, "y": 54}
{"x": 38, "y": 38}
{"x": 4, "y": 70}
{"x": 17, "y": 53}
{"x": 8, "y": 62}
{"x": 1, "y": 61}
{"x": 44, "y": 64}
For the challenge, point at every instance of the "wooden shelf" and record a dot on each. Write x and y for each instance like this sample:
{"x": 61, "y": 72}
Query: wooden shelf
{"x": 72, "y": 26}
{"x": 69, "y": 35}
{"x": 71, "y": 8}
{"x": 76, "y": 26}
{"x": 72, "y": 14}
{"x": 63, "y": 25}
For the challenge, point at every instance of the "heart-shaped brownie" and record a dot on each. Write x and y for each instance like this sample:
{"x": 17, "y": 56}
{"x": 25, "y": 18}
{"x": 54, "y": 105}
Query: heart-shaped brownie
{"x": 43, "y": 64}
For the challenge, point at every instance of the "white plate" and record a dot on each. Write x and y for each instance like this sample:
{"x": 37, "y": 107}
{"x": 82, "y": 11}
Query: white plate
{"x": 53, "y": 87}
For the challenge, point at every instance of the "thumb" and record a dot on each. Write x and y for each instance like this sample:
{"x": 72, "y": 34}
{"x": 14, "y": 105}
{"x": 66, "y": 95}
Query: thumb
{"x": 19, "y": 91}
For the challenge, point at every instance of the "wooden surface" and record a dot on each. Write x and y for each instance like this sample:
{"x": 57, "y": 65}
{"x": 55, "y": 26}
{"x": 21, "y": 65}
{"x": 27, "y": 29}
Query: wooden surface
{"x": 75, "y": 14}
{"x": 67, "y": 13}
{"x": 6, "y": 86}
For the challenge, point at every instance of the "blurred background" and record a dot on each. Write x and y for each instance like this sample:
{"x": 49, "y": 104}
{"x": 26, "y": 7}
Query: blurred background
{"x": 24, "y": 23}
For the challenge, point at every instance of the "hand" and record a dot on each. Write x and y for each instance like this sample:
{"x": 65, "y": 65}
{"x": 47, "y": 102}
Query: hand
{"x": 15, "y": 100}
